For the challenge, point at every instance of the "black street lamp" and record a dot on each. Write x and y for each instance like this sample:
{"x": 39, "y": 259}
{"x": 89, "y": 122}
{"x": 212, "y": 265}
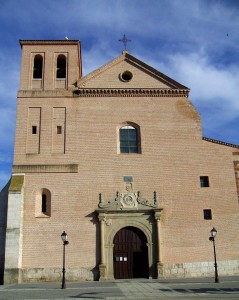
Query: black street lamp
{"x": 65, "y": 242}
{"x": 213, "y": 233}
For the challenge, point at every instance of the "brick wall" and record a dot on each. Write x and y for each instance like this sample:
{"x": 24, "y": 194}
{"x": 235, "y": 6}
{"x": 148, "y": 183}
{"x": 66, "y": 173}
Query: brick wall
{"x": 173, "y": 158}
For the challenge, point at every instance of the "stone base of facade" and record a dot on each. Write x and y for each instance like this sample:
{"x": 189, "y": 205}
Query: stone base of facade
{"x": 200, "y": 269}
{"x": 48, "y": 274}
{"x": 184, "y": 270}
{"x": 160, "y": 270}
{"x": 102, "y": 270}
{"x": 12, "y": 276}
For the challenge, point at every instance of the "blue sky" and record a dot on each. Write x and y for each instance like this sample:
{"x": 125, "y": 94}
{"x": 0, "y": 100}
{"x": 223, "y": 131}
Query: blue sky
{"x": 196, "y": 42}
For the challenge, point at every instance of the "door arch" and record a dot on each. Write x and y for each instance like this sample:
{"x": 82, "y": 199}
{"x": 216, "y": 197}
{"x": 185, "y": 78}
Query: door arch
{"x": 130, "y": 254}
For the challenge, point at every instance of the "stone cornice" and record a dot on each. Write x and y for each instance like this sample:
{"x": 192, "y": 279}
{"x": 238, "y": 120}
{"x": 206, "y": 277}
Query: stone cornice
{"x": 97, "y": 92}
{"x": 61, "y": 93}
{"x": 49, "y": 42}
{"x": 137, "y": 92}
{"x": 133, "y": 212}
{"x": 66, "y": 168}
{"x": 220, "y": 142}
{"x": 16, "y": 184}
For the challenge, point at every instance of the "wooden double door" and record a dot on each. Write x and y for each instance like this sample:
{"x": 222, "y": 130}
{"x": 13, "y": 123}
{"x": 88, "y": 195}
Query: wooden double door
{"x": 130, "y": 254}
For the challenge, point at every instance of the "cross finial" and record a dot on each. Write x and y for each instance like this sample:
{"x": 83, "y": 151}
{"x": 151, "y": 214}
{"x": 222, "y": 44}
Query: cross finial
{"x": 124, "y": 40}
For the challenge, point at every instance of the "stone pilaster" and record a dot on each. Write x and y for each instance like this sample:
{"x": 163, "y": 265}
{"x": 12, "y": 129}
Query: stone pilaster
{"x": 102, "y": 265}
{"x": 13, "y": 256}
{"x": 159, "y": 261}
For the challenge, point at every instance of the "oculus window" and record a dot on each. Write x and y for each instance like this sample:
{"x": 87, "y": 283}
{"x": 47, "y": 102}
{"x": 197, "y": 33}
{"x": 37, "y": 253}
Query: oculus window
{"x": 128, "y": 136}
{"x": 126, "y": 76}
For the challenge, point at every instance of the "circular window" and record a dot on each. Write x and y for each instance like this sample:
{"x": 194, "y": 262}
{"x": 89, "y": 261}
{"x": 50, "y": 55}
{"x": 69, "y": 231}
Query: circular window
{"x": 126, "y": 76}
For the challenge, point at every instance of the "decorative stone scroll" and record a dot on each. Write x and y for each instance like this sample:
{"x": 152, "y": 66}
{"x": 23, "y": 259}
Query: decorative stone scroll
{"x": 128, "y": 200}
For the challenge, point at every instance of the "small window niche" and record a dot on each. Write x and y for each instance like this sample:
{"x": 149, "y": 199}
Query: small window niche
{"x": 34, "y": 129}
{"x": 204, "y": 181}
{"x": 43, "y": 203}
{"x": 207, "y": 214}
{"x": 59, "y": 129}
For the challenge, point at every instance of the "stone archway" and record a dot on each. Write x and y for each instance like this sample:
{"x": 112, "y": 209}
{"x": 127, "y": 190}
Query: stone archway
{"x": 130, "y": 254}
{"x": 113, "y": 221}
{"x": 129, "y": 209}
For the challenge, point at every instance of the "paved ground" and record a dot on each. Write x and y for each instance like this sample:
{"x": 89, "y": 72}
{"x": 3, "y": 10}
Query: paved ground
{"x": 228, "y": 287}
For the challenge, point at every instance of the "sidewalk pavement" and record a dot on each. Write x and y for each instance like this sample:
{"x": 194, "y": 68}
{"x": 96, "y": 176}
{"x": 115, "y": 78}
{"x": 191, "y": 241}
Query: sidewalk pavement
{"x": 192, "y": 288}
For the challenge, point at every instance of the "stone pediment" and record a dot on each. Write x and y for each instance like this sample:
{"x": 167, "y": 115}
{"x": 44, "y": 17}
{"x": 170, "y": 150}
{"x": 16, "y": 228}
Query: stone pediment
{"x": 128, "y": 200}
{"x": 128, "y": 76}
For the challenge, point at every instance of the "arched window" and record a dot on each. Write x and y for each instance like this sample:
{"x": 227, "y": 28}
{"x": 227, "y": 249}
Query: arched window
{"x": 129, "y": 138}
{"x": 61, "y": 66}
{"x": 37, "y": 67}
{"x": 43, "y": 203}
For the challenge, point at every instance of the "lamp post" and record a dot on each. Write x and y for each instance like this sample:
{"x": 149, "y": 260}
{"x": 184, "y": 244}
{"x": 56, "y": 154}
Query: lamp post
{"x": 213, "y": 234}
{"x": 65, "y": 242}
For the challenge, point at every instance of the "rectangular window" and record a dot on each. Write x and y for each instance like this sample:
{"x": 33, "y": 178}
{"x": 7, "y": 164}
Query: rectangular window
{"x": 34, "y": 129}
{"x": 59, "y": 130}
{"x": 204, "y": 181}
{"x": 207, "y": 214}
{"x": 128, "y": 178}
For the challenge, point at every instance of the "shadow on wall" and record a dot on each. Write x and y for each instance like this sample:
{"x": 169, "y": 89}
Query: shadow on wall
{"x": 95, "y": 221}
{"x": 3, "y": 226}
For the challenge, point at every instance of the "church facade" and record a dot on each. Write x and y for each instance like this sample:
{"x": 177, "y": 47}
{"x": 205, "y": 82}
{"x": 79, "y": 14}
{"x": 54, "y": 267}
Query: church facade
{"x": 117, "y": 160}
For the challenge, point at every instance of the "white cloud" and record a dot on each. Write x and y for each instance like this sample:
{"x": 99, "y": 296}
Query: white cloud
{"x": 214, "y": 92}
{"x": 207, "y": 82}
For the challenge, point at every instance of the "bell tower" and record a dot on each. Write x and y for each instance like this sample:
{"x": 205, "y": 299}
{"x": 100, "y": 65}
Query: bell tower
{"x": 50, "y": 65}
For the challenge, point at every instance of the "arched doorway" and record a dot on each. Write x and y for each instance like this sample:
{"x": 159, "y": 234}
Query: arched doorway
{"x": 130, "y": 254}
